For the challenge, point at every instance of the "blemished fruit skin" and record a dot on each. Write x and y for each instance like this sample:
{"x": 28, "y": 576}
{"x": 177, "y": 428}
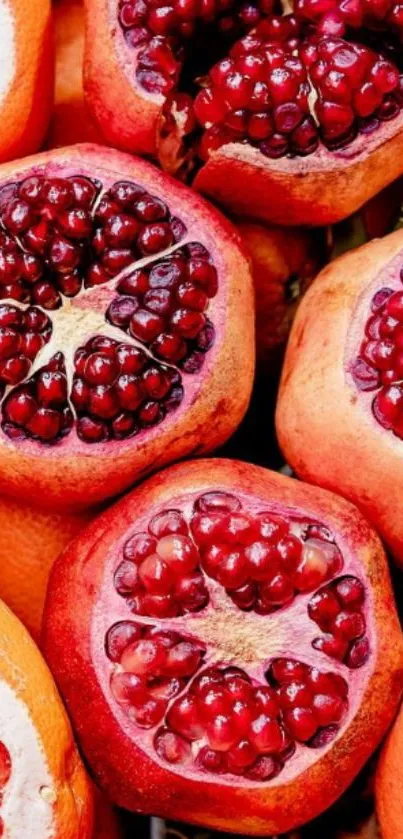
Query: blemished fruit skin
{"x": 72, "y": 636}
{"x": 27, "y": 95}
{"x": 78, "y": 476}
{"x": 327, "y": 433}
{"x": 23, "y": 669}
{"x": 31, "y": 538}
{"x": 388, "y": 784}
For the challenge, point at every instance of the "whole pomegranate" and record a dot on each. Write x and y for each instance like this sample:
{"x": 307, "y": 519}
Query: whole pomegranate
{"x": 284, "y": 263}
{"x": 122, "y": 300}
{"x": 340, "y": 405}
{"x": 236, "y": 656}
{"x": 282, "y": 117}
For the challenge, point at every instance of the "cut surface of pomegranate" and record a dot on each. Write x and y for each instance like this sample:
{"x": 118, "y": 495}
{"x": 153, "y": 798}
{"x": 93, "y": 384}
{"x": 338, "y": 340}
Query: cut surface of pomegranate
{"x": 348, "y": 336}
{"x": 122, "y": 297}
{"x": 237, "y": 643}
{"x": 285, "y": 120}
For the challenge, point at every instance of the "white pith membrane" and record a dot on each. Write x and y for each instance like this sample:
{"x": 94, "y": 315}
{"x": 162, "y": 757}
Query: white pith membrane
{"x": 227, "y": 636}
{"x": 27, "y": 800}
{"x": 158, "y": 57}
{"x": 7, "y": 53}
{"x": 374, "y": 350}
{"x": 82, "y": 316}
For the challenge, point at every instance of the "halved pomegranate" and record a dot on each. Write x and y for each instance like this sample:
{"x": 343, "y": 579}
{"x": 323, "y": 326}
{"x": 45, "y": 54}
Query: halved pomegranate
{"x": 123, "y": 299}
{"x": 236, "y": 656}
{"x": 340, "y": 406}
{"x": 278, "y": 119}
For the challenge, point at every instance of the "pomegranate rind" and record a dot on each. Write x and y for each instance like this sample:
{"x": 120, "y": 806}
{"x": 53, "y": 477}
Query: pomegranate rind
{"x": 388, "y": 784}
{"x": 72, "y": 645}
{"x": 321, "y": 188}
{"x": 107, "y": 824}
{"x": 75, "y": 475}
{"x": 25, "y": 671}
{"x": 325, "y": 428}
{"x": 25, "y": 109}
{"x": 126, "y": 115}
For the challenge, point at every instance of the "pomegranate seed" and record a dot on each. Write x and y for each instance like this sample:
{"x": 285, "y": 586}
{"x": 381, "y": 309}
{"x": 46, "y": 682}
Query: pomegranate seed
{"x": 168, "y": 522}
{"x": 262, "y": 559}
{"x": 156, "y": 575}
{"x": 179, "y": 552}
{"x": 265, "y": 734}
{"x": 183, "y": 717}
{"x": 349, "y": 625}
{"x": 143, "y": 657}
{"x": 301, "y": 723}
{"x": 358, "y": 653}
{"x": 172, "y": 747}
{"x": 5, "y": 765}
{"x": 331, "y": 646}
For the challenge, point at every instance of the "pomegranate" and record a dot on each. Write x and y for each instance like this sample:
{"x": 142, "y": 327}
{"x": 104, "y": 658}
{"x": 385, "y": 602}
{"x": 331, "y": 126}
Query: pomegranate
{"x": 341, "y": 389}
{"x": 122, "y": 299}
{"x": 284, "y": 263}
{"x": 236, "y": 644}
{"x": 278, "y": 119}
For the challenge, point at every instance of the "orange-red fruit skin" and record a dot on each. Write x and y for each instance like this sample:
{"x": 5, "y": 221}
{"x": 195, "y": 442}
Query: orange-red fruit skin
{"x": 388, "y": 784}
{"x": 72, "y": 481}
{"x": 26, "y": 105}
{"x": 125, "y": 114}
{"x": 327, "y": 434}
{"x": 131, "y": 778}
{"x": 321, "y": 188}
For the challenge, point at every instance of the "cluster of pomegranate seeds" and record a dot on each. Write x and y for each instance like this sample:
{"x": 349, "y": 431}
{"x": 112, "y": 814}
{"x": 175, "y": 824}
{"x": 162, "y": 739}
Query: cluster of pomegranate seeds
{"x": 60, "y": 233}
{"x": 337, "y": 610}
{"x": 23, "y": 333}
{"x": 118, "y": 390}
{"x": 59, "y": 236}
{"x": 5, "y": 773}
{"x": 154, "y": 666}
{"x": 38, "y": 408}
{"x": 161, "y": 29}
{"x": 262, "y": 93}
{"x": 160, "y": 571}
{"x": 379, "y": 365}
{"x": 334, "y": 16}
{"x": 163, "y": 305}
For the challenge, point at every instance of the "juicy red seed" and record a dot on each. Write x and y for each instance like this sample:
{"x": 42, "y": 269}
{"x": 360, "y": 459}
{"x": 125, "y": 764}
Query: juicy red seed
{"x": 100, "y": 369}
{"x": 129, "y": 689}
{"x": 119, "y": 637}
{"x": 126, "y": 578}
{"x": 5, "y": 765}
{"x": 217, "y": 502}
{"x": 331, "y": 646}
{"x": 172, "y": 747}
{"x": 91, "y": 430}
{"x": 301, "y": 723}
{"x": 358, "y": 653}
{"x": 52, "y": 389}
{"x": 350, "y": 591}
{"x": 45, "y": 424}
{"x": 19, "y": 408}
{"x": 167, "y": 522}
{"x": 285, "y": 670}
{"x": 146, "y": 325}
{"x": 349, "y": 625}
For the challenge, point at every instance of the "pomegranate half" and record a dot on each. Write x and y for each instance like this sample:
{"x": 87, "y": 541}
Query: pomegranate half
{"x": 123, "y": 297}
{"x": 340, "y": 405}
{"x": 277, "y": 119}
{"x": 236, "y": 656}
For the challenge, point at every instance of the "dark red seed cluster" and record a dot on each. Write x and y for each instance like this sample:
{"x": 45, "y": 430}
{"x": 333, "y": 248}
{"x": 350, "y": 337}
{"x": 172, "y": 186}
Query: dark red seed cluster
{"x": 23, "y": 333}
{"x": 262, "y": 93}
{"x": 118, "y": 390}
{"x": 379, "y": 365}
{"x": 39, "y": 409}
{"x": 334, "y": 16}
{"x": 338, "y": 611}
{"x": 154, "y": 667}
{"x": 163, "y": 305}
{"x": 162, "y": 28}
{"x": 57, "y": 235}
{"x": 263, "y": 561}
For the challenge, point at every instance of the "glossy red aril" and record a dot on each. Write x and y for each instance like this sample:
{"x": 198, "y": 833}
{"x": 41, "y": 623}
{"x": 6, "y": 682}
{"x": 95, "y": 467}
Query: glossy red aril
{"x": 97, "y": 350}
{"x": 201, "y": 689}
{"x": 274, "y": 98}
{"x": 356, "y": 383}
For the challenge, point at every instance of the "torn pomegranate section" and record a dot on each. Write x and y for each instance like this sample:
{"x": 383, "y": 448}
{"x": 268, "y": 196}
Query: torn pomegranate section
{"x": 231, "y": 642}
{"x": 5, "y": 773}
{"x": 111, "y": 304}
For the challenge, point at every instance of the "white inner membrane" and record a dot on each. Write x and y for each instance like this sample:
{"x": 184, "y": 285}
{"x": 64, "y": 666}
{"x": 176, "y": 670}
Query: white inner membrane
{"x": 26, "y": 807}
{"x": 7, "y": 48}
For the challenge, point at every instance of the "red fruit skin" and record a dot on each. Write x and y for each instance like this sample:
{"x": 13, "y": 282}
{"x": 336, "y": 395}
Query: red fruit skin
{"x": 326, "y": 431}
{"x": 321, "y": 188}
{"x": 131, "y": 778}
{"x": 388, "y": 784}
{"x": 77, "y": 475}
{"x": 125, "y": 114}
{"x": 107, "y": 825}
{"x": 284, "y": 263}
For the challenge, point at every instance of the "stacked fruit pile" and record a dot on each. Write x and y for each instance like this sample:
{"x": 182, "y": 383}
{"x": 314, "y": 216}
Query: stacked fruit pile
{"x": 221, "y": 644}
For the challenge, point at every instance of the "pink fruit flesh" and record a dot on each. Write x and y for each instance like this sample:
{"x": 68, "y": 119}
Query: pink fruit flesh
{"x": 282, "y": 87}
{"x": 275, "y": 570}
{"x": 60, "y": 237}
{"x": 377, "y": 369}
